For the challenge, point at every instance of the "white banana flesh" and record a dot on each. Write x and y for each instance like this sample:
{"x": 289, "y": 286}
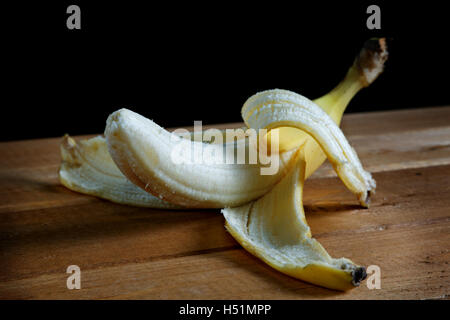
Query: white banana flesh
{"x": 144, "y": 152}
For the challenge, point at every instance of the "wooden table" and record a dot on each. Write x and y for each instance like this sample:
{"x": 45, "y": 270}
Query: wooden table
{"x": 135, "y": 253}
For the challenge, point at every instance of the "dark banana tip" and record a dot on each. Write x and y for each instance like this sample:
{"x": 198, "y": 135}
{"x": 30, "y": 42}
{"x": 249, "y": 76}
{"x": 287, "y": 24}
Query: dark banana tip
{"x": 368, "y": 198}
{"x": 376, "y": 45}
{"x": 358, "y": 275}
{"x": 371, "y": 59}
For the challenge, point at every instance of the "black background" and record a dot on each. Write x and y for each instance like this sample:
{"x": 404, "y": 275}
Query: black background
{"x": 180, "y": 62}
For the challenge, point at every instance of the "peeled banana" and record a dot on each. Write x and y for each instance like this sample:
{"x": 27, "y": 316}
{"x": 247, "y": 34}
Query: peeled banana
{"x": 134, "y": 165}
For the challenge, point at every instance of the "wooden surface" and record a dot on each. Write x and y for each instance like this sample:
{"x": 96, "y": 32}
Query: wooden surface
{"x": 134, "y": 253}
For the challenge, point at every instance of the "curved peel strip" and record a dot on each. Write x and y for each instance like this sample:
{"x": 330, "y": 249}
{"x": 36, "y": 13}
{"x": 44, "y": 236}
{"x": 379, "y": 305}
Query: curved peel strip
{"x": 282, "y": 108}
{"x": 88, "y": 168}
{"x": 367, "y": 66}
{"x": 274, "y": 229}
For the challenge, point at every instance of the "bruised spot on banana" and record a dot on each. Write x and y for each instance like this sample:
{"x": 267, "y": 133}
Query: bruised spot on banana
{"x": 137, "y": 151}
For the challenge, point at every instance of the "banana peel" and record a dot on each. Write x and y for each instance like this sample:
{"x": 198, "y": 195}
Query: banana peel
{"x": 88, "y": 168}
{"x": 274, "y": 229}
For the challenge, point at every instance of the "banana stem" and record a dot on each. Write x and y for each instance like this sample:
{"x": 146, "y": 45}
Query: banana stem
{"x": 336, "y": 101}
{"x": 368, "y": 65}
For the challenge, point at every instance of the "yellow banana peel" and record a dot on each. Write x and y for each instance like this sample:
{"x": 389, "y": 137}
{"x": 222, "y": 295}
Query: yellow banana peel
{"x": 274, "y": 229}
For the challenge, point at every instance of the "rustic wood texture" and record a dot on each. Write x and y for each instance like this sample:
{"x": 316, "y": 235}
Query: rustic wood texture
{"x": 136, "y": 253}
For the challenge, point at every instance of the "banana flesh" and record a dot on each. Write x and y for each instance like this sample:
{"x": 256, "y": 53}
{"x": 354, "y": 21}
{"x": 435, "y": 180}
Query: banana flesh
{"x": 143, "y": 152}
{"x": 87, "y": 167}
{"x": 274, "y": 229}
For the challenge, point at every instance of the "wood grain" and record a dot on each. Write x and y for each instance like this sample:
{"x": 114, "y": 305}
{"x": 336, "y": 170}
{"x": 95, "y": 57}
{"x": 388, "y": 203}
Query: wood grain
{"x": 136, "y": 253}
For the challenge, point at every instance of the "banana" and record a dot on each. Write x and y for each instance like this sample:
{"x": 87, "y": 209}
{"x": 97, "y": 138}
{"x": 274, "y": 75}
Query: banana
{"x": 264, "y": 213}
{"x": 366, "y": 67}
{"x": 87, "y": 167}
{"x": 274, "y": 229}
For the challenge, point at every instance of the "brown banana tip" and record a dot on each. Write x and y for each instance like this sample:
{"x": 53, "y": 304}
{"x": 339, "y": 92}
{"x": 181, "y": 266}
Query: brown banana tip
{"x": 358, "y": 275}
{"x": 368, "y": 198}
{"x": 371, "y": 59}
{"x": 364, "y": 199}
{"x": 65, "y": 140}
{"x": 68, "y": 142}
{"x": 376, "y": 45}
